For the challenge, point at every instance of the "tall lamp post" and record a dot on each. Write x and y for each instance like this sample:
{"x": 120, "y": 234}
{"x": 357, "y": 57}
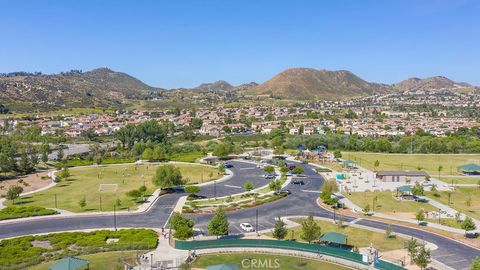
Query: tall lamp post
{"x": 256, "y": 221}
{"x": 215, "y": 189}
{"x": 334, "y": 220}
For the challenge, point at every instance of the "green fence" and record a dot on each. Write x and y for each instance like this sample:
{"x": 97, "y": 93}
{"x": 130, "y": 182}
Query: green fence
{"x": 289, "y": 245}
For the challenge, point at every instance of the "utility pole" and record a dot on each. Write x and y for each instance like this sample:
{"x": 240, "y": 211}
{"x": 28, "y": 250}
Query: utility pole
{"x": 55, "y": 200}
{"x": 439, "y": 213}
{"x": 215, "y": 189}
{"x": 115, "y": 217}
{"x": 100, "y": 202}
{"x": 334, "y": 215}
{"x": 256, "y": 221}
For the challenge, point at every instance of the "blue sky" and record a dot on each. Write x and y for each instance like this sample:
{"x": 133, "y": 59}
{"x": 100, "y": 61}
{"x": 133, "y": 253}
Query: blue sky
{"x": 184, "y": 43}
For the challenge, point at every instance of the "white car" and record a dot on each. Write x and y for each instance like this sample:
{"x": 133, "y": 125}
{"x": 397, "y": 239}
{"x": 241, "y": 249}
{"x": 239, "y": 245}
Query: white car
{"x": 247, "y": 227}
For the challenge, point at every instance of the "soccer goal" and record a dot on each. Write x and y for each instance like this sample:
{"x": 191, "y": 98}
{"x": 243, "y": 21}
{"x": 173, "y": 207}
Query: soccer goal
{"x": 107, "y": 187}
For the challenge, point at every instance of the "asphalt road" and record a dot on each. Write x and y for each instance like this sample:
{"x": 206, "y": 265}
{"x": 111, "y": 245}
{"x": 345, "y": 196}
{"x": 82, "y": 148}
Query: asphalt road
{"x": 302, "y": 201}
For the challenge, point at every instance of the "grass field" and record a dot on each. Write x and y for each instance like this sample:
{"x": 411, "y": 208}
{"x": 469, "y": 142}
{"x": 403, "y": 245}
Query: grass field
{"x": 386, "y": 203}
{"x": 461, "y": 180}
{"x": 426, "y": 162}
{"x": 84, "y": 183}
{"x": 101, "y": 261}
{"x": 459, "y": 200}
{"x": 356, "y": 236}
{"x": 248, "y": 259}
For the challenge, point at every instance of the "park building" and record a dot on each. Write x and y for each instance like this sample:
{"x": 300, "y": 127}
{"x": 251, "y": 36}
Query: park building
{"x": 402, "y": 176}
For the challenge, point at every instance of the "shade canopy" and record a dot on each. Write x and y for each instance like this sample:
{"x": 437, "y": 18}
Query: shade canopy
{"x": 470, "y": 167}
{"x": 69, "y": 263}
{"x": 223, "y": 267}
{"x": 405, "y": 189}
{"x": 334, "y": 237}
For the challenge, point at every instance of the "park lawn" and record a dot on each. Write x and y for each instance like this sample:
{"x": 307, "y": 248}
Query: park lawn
{"x": 101, "y": 261}
{"x": 450, "y": 222}
{"x": 458, "y": 200}
{"x": 84, "y": 183}
{"x": 427, "y": 162}
{"x": 386, "y": 203}
{"x": 284, "y": 262}
{"x": 356, "y": 237}
{"x": 461, "y": 180}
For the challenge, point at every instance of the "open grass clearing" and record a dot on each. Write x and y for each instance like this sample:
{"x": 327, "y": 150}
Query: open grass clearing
{"x": 85, "y": 183}
{"x": 284, "y": 262}
{"x": 356, "y": 236}
{"x": 463, "y": 199}
{"x": 426, "y": 162}
{"x": 475, "y": 180}
{"x": 386, "y": 203}
{"x": 103, "y": 261}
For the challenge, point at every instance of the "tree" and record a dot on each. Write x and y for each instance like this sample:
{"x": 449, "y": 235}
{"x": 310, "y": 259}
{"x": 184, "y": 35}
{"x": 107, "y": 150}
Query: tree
{"x": 13, "y": 193}
{"x": 417, "y": 189}
{"x": 192, "y": 189}
{"x": 389, "y": 231}
{"x": 167, "y": 176}
{"x": 468, "y": 224}
{"x": 366, "y": 209}
{"x": 420, "y": 215}
{"x": 221, "y": 169}
{"x": 475, "y": 264}
{"x": 218, "y": 225}
{"x": 439, "y": 169}
{"x": 275, "y": 186}
{"x": 376, "y": 164}
{"x": 433, "y": 188}
{"x": 337, "y": 154}
{"x": 412, "y": 246}
{"x": 7, "y": 163}
{"x": 269, "y": 169}
{"x": 183, "y": 226}
{"x": 147, "y": 154}
{"x": 135, "y": 194}
{"x": 83, "y": 202}
{"x": 64, "y": 173}
{"x": 423, "y": 257}
{"x": 248, "y": 186}
{"x": 24, "y": 163}
{"x": 310, "y": 230}
{"x": 279, "y": 231}
{"x": 298, "y": 170}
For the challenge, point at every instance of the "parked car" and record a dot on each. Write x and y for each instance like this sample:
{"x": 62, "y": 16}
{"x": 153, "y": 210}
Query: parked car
{"x": 470, "y": 234}
{"x": 422, "y": 223}
{"x": 288, "y": 174}
{"x": 298, "y": 182}
{"x": 247, "y": 227}
{"x": 286, "y": 191}
{"x": 228, "y": 165}
{"x": 420, "y": 199}
{"x": 269, "y": 176}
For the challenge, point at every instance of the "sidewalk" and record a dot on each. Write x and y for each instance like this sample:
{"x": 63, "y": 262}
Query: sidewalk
{"x": 164, "y": 254}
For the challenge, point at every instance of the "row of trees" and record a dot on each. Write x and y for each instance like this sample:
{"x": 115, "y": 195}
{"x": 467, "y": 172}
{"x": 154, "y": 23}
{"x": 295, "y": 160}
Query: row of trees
{"x": 20, "y": 157}
{"x": 392, "y": 144}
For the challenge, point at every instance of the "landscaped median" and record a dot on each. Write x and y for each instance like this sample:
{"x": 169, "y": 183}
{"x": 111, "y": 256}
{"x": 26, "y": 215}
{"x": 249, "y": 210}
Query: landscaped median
{"x": 13, "y": 212}
{"x": 22, "y": 252}
{"x": 250, "y": 198}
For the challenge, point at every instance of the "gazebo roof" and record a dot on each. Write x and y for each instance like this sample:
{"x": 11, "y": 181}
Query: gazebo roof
{"x": 223, "y": 267}
{"x": 69, "y": 263}
{"x": 334, "y": 237}
{"x": 405, "y": 189}
{"x": 470, "y": 167}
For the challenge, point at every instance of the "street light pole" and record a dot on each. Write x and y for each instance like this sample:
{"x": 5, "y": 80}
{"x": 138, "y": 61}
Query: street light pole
{"x": 334, "y": 220}
{"x": 256, "y": 220}
{"x": 55, "y": 200}
{"x": 439, "y": 213}
{"x": 215, "y": 189}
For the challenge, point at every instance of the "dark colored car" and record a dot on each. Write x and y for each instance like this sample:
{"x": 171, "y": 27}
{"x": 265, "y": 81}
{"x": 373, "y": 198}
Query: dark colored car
{"x": 298, "y": 182}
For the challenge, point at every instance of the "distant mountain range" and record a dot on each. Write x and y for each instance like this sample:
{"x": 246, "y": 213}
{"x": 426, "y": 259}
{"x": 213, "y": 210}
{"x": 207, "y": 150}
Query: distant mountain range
{"x": 103, "y": 87}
